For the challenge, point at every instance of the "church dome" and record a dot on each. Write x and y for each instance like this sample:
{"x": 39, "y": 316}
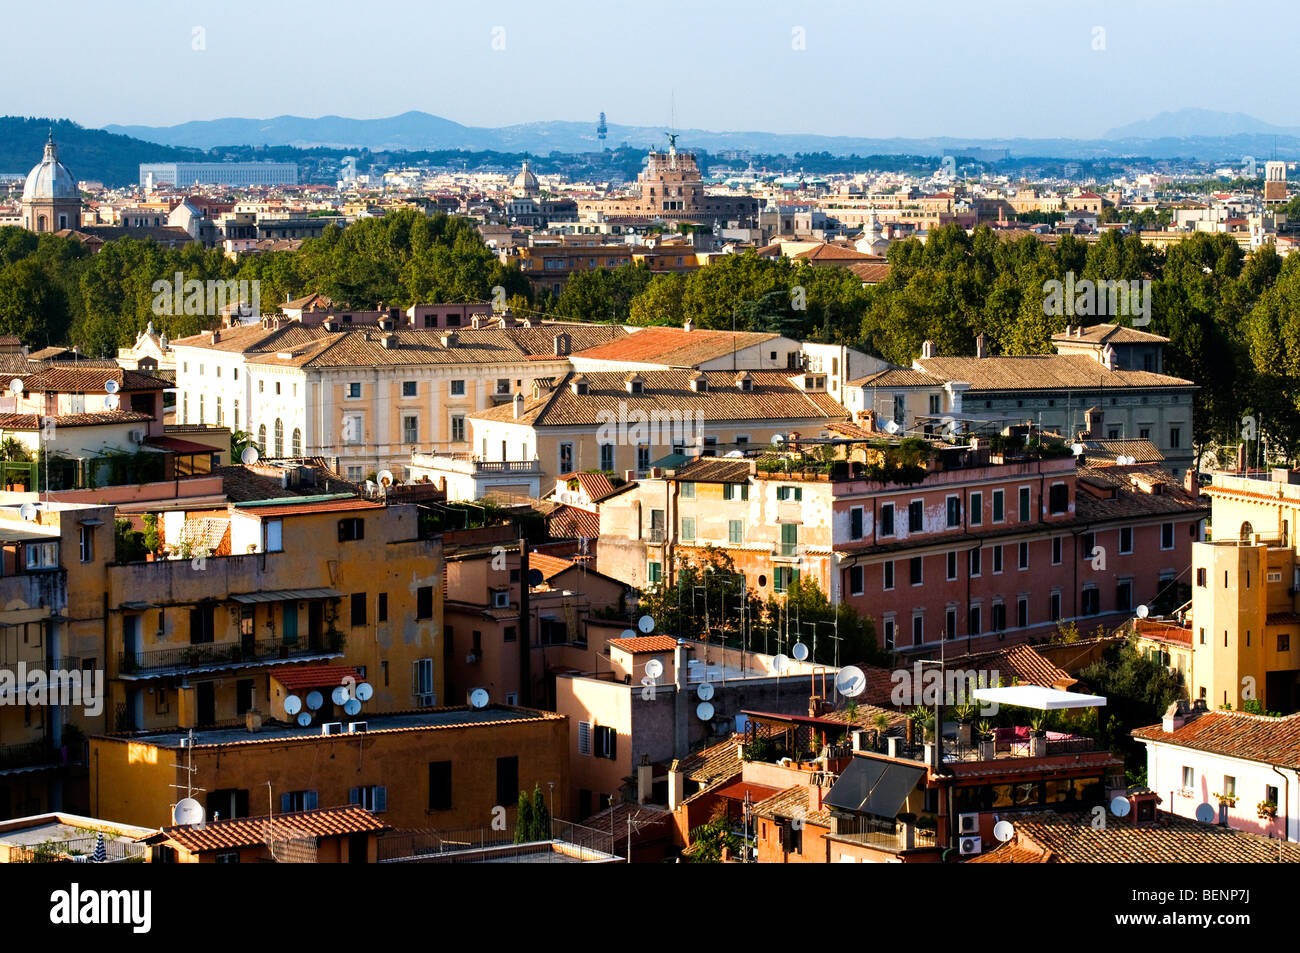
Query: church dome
{"x": 51, "y": 179}
{"x": 525, "y": 182}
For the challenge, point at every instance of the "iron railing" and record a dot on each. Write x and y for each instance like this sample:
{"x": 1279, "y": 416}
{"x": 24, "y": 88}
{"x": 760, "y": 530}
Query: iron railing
{"x": 227, "y": 653}
{"x": 28, "y": 755}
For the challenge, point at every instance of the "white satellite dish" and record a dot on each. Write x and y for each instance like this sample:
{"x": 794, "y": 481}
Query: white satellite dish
{"x": 800, "y": 651}
{"x": 1206, "y": 814}
{"x": 112, "y": 402}
{"x": 1143, "y": 612}
{"x": 704, "y": 711}
{"x": 780, "y": 663}
{"x": 110, "y": 386}
{"x": 385, "y": 478}
{"x": 304, "y": 718}
{"x": 28, "y": 511}
{"x": 1119, "y": 806}
{"x": 654, "y": 668}
{"x": 850, "y": 681}
{"x": 891, "y": 427}
{"x": 16, "y": 387}
{"x": 1003, "y": 831}
{"x": 292, "y": 704}
{"x": 627, "y": 634}
{"x": 734, "y": 453}
{"x": 340, "y": 695}
{"x": 777, "y": 438}
{"x": 315, "y": 700}
{"x": 705, "y": 691}
{"x": 249, "y": 456}
{"x": 352, "y": 706}
{"x": 187, "y": 812}
{"x": 364, "y": 692}
{"x": 479, "y": 698}
{"x": 646, "y": 623}
{"x": 1076, "y": 448}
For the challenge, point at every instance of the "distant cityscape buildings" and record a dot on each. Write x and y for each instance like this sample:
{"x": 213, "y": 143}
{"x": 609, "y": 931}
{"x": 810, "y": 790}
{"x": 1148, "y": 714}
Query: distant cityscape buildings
{"x": 185, "y": 174}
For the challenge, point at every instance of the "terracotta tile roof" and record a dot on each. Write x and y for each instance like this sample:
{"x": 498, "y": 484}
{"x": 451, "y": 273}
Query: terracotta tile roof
{"x": 870, "y": 272}
{"x": 34, "y": 421}
{"x": 549, "y": 565}
{"x": 1071, "y": 839}
{"x": 673, "y": 347}
{"x": 1235, "y": 734}
{"x": 79, "y": 379}
{"x": 313, "y": 302}
{"x": 1129, "y": 501}
{"x": 828, "y": 252}
{"x": 243, "y": 484}
{"x": 1143, "y": 451}
{"x": 572, "y": 522}
{"x": 596, "y": 486}
{"x": 302, "y": 509}
{"x": 645, "y": 643}
{"x": 252, "y": 831}
{"x": 1019, "y": 664}
{"x": 738, "y": 790}
{"x": 898, "y": 377}
{"x": 649, "y": 822}
{"x": 773, "y": 398}
{"x": 715, "y": 470}
{"x": 1111, "y": 334}
{"x": 315, "y": 676}
{"x": 1158, "y": 630}
{"x": 1041, "y": 372}
{"x": 253, "y": 338}
{"x": 715, "y": 763}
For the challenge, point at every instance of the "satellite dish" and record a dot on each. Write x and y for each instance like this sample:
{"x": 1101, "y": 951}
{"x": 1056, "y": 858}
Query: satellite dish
{"x": 304, "y": 718}
{"x": 780, "y": 663}
{"x": 627, "y": 634}
{"x": 705, "y": 691}
{"x": 1004, "y": 831}
{"x": 891, "y": 427}
{"x": 187, "y": 812}
{"x": 315, "y": 700}
{"x": 352, "y": 706}
{"x": 777, "y": 438}
{"x": 1076, "y": 448}
{"x": 734, "y": 453}
{"x": 16, "y": 387}
{"x": 385, "y": 478}
{"x": 292, "y": 704}
{"x": 1119, "y": 806}
{"x": 110, "y": 386}
{"x": 1143, "y": 612}
{"x": 28, "y": 511}
{"x": 479, "y": 698}
{"x": 704, "y": 711}
{"x": 850, "y": 681}
{"x": 112, "y": 402}
{"x": 654, "y": 668}
{"x": 646, "y": 623}
{"x": 1206, "y": 814}
{"x": 340, "y": 695}
{"x": 249, "y": 456}
{"x": 800, "y": 651}
{"x": 535, "y": 578}
{"x": 364, "y": 692}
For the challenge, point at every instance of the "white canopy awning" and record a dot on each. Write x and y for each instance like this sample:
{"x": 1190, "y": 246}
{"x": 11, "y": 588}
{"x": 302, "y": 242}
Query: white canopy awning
{"x": 1036, "y": 696}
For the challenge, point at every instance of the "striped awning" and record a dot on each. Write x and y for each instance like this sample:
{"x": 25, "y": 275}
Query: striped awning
{"x": 285, "y": 595}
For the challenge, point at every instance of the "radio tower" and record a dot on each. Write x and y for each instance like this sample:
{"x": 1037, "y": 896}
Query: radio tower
{"x": 601, "y": 128}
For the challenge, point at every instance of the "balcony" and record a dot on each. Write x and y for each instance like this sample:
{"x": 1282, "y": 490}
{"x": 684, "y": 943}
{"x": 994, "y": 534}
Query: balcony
{"x": 34, "y": 754}
{"x": 474, "y": 465}
{"x": 1052, "y": 745}
{"x": 217, "y": 655}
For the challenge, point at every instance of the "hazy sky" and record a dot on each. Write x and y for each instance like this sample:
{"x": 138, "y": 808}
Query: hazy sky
{"x": 867, "y": 68}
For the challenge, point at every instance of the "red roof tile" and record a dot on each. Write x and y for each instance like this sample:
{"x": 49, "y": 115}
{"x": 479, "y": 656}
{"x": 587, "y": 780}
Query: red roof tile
{"x": 252, "y": 831}
{"x": 316, "y": 676}
{"x": 645, "y": 643}
{"x": 302, "y": 509}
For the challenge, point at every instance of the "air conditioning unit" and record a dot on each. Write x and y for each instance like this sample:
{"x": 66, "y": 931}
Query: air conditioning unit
{"x": 968, "y": 824}
{"x": 970, "y": 845}
{"x": 138, "y": 436}
{"x": 332, "y": 728}
{"x": 426, "y": 699}
{"x": 356, "y": 726}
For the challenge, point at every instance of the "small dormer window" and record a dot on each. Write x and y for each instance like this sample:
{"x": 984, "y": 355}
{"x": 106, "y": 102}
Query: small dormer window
{"x": 700, "y": 384}
{"x": 635, "y": 385}
{"x": 745, "y": 384}
{"x": 580, "y": 387}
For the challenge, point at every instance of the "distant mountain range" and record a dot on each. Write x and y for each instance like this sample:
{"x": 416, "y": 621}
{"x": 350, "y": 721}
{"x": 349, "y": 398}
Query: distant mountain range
{"x": 1187, "y": 133}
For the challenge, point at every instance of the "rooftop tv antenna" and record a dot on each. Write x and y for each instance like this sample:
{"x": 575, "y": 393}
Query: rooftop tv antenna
{"x": 180, "y": 807}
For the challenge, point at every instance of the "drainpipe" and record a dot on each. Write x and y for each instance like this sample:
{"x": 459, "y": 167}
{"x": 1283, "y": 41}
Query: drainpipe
{"x": 525, "y": 630}
{"x": 1286, "y": 803}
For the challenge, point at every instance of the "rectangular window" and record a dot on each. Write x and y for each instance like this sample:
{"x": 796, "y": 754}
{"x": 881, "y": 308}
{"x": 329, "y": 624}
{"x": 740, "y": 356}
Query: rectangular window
{"x": 1090, "y": 603}
{"x": 890, "y": 632}
{"x": 1022, "y": 612}
{"x": 855, "y": 523}
{"x": 381, "y": 612}
{"x": 1126, "y": 539}
{"x": 1024, "y": 504}
{"x": 688, "y": 528}
{"x": 735, "y": 532}
{"x": 952, "y": 565}
{"x": 915, "y": 516}
{"x": 247, "y": 625}
{"x": 358, "y": 608}
{"x": 654, "y": 572}
{"x": 855, "y": 581}
{"x": 298, "y": 801}
{"x": 950, "y": 623}
{"x": 999, "y": 617}
{"x": 918, "y": 629}
{"x": 735, "y": 491}
{"x": 1022, "y": 560}
{"x": 1054, "y": 607}
{"x": 422, "y": 672}
{"x": 1166, "y": 535}
{"x": 976, "y": 511}
{"x": 584, "y": 737}
{"x": 1175, "y": 437}
{"x": 440, "y": 785}
{"x": 457, "y": 388}
{"x": 373, "y": 797}
{"x": 999, "y": 497}
{"x": 889, "y": 574}
{"x": 605, "y": 742}
{"x": 1058, "y": 498}
{"x": 410, "y": 429}
{"x": 87, "y": 544}
{"x": 886, "y": 519}
{"x": 508, "y": 780}
{"x": 607, "y": 457}
{"x": 789, "y": 539}
{"x": 566, "y": 458}
{"x": 354, "y": 390}
{"x": 1284, "y": 642}
{"x": 915, "y": 569}
{"x": 975, "y": 561}
{"x": 273, "y": 535}
{"x": 352, "y": 528}
{"x": 1124, "y": 595}
{"x": 975, "y": 621}
{"x": 688, "y": 489}
{"x": 997, "y": 559}
{"x": 424, "y": 602}
{"x": 458, "y": 428}
{"x": 1189, "y": 778}
{"x": 243, "y": 695}
{"x": 1056, "y": 550}
{"x": 794, "y": 493}
{"x": 954, "y": 511}
{"x": 783, "y": 577}
{"x": 410, "y": 389}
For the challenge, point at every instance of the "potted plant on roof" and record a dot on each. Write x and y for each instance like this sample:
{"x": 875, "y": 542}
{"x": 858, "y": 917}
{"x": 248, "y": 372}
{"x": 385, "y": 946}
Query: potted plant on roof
{"x": 988, "y": 746}
{"x": 1038, "y": 735}
{"x": 880, "y": 721}
{"x": 965, "y": 713}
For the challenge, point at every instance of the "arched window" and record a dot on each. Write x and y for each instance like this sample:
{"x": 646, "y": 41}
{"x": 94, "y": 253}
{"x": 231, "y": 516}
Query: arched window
{"x": 297, "y": 443}
{"x": 40, "y": 223}
{"x": 279, "y": 437}
{"x": 1246, "y": 530}
{"x": 261, "y": 438}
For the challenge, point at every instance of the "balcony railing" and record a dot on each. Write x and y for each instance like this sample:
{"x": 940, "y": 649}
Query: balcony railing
{"x": 226, "y": 654}
{"x": 654, "y": 536}
{"x": 28, "y": 755}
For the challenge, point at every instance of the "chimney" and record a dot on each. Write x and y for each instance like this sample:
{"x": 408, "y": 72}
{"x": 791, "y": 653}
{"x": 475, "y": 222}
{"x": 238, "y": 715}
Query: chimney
{"x": 563, "y": 343}
{"x": 449, "y": 339}
{"x": 1191, "y": 482}
{"x": 1175, "y": 716}
{"x": 214, "y": 336}
{"x": 927, "y": 349}
{"x": 629, "y": 476}
{"x": 1092, "y": 418}
{"x": 519, "y": 403}
{"x": 253, "y": 721}
{"x": 981, "y": 346}
{"x": 644, "y": 780}
{"x": 389, "y": 341}
{"x": 689, "y": 325}
{"x": 676, "y": 785}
